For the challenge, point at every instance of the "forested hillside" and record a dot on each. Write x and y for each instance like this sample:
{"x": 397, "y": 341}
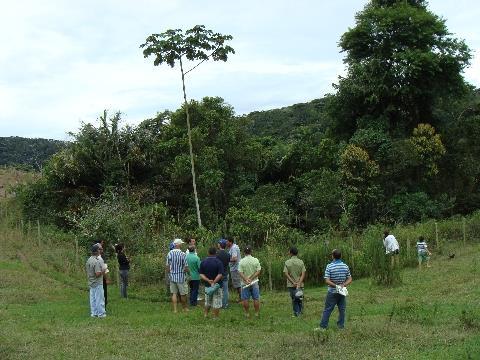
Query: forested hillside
{"x": 396, "y": 143}
{"x": 30, "y": 153}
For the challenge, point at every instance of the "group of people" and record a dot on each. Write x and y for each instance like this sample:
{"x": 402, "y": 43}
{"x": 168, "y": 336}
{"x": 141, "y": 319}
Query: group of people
{"x": 392, "y": 249}
{"x": 97, "y": 270}
{"x": 224, "y": 261}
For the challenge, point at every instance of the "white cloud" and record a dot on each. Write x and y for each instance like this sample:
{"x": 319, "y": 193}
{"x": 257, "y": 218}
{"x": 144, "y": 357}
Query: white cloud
{"x": 63, "y": 62}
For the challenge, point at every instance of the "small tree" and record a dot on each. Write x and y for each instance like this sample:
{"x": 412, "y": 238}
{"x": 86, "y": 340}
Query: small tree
{"x": 196, "y": 44}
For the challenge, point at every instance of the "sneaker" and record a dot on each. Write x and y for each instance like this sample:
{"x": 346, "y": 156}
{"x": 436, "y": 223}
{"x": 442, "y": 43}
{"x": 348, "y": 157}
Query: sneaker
{"x": 102, "y": 316}
{"x": 319, "y": 329}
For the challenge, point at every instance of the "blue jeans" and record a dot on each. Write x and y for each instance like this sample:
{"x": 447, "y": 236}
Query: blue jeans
{"x": 225, "y": 292}
{"x": 194, "y": 284}
{"x": 97, "y": 301}
{"x": 123, "y": 283}
{"x": 331, "y": 300}
{"x": 297, "y": 303}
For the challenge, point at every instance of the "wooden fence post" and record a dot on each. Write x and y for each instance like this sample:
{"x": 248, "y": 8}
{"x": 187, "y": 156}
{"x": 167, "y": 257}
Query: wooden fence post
{"x": 38, "y": 232}
{"x": 464, "y": 228}
{"x": 270, "y": 282}
{"x": 436, "y": 236}
{"x": 76, "y": 250}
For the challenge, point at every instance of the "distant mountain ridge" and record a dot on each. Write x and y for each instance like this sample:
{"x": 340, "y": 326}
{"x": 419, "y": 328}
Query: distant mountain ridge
{"x": 281, "y": 123}
{"x": 29, "y": 153}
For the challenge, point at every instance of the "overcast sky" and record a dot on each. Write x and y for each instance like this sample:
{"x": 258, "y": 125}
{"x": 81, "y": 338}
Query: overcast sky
{"x": 63, "y": 62}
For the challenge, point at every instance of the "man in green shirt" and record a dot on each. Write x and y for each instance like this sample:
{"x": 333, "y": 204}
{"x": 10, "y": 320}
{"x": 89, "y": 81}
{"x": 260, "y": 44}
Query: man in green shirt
{"x": 295, "y": 271}
{"x": 193, "y": 262}
{"x": 249, "y": 269}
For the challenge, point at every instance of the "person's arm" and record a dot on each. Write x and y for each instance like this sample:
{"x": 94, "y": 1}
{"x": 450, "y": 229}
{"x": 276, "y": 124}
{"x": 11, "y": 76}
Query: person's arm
{"x": 254, "y": 276}
{"x": 207, "y": 280}
{"x": 347, "y": 282}
{"x": 245, "y": 279}
{"x": 217, "y": 279}
{"x": 287, "y": 275}
{"x": 302, "y": 277}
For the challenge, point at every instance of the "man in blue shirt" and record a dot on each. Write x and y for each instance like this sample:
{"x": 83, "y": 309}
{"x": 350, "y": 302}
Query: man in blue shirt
{"x": 336, "y": 273}
{"x": 211, "y": 270}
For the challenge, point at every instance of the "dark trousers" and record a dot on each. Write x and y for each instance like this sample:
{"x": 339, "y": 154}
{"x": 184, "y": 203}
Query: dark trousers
{"x": 297, "y": 303}
{"x": 123, "y": 283}
{"x": 194, "y": 284}
{"x": 105, "y": 290}
{"x": 331, "y": 300}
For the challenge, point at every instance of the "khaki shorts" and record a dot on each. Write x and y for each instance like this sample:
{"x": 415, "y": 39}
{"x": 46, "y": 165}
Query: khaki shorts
{"x": 215, "y": 300}
{"x": 235, "y": 275}
{"x": 179, "y": 288}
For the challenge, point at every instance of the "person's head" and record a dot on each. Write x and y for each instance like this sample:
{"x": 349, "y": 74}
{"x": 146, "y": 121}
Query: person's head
{"x": 293, "y": 251}
{"x": 222, "y": 244}
{"x": 191, "y": 249}
{"x": 212, "y": 251}
{"x": 421, "y": 239}
{"x": 230, "y": 241}
{"x": 336, "y": 254}
{"x": 119, "y": 248}
{"x": 94, "y": 250}
{"x": 100, "y": 248}
{"x": 386, "y": 233}
{"x": 177, "y": 243}
{"x": 248, "y": 250}
{"x": 191, "y": 241}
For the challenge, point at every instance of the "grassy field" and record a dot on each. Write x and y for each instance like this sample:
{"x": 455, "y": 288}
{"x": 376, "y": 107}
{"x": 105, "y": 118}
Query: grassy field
{"x": 44, "y": 314}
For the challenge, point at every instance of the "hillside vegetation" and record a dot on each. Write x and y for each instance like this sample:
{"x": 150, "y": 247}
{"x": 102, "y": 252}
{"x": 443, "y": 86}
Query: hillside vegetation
{"x": 27, "y": 153}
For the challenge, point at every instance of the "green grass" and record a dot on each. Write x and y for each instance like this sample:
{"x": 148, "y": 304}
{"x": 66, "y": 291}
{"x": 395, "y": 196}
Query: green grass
{"x": 44, "y": 314}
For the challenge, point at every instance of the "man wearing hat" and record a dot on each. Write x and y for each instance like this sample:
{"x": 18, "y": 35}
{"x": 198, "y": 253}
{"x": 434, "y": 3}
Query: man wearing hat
{"x": 294, "y": 271}
{"x": 176, "y": 267}
{"x": 224, "y": 256}
{"x": 95, "y": 273}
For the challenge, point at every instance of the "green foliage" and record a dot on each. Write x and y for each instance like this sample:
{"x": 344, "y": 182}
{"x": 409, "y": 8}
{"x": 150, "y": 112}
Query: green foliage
{"x": 401, "y": 59}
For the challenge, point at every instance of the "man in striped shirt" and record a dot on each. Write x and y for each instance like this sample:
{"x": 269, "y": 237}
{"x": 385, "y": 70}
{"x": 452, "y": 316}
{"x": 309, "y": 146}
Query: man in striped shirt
{"x": 176, "y": 267}
{"x": 336, "y": 273}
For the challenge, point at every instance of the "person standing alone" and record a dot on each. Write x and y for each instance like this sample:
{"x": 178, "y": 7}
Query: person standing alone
{"x": 337, "y": 273}
{"x": 123, "y": 267}
{"x": 95, "y": 273}
{"x": 392, "y": 248}
{"x": 295, "y": 271}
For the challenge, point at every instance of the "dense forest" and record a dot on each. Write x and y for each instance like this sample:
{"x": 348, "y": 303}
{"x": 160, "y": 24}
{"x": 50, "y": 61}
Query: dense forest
{"x": 27, "y": 153}
{"x": 397, "y": 142}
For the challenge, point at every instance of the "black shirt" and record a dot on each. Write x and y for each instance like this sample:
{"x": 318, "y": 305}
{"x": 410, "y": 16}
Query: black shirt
{"x": 211, "y": 267}
{"x": 123, "y": 262}
{"x": 224, "y": 257}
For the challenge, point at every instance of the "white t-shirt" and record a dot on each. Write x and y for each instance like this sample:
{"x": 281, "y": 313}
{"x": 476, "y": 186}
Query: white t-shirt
{"x": 391, "y": 244}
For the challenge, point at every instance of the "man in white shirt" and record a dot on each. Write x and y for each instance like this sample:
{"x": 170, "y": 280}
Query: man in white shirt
{"x": 391, "y": 247}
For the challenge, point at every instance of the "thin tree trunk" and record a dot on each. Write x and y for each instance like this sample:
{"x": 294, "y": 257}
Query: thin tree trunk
{"x": 190, "y": 147}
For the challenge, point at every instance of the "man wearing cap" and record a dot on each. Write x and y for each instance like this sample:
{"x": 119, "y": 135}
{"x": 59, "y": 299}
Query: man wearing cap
{"x": 235, "y": 258}
{"x": 249, "y": 269}
{"x": 176, "y": 267}
{"x": 336, "y": 273}
{"x": 224, "y": 257}
{"x": 95, "y": 273}
{"x": 211, "y": 270}
{"x": 294, "y": 271}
